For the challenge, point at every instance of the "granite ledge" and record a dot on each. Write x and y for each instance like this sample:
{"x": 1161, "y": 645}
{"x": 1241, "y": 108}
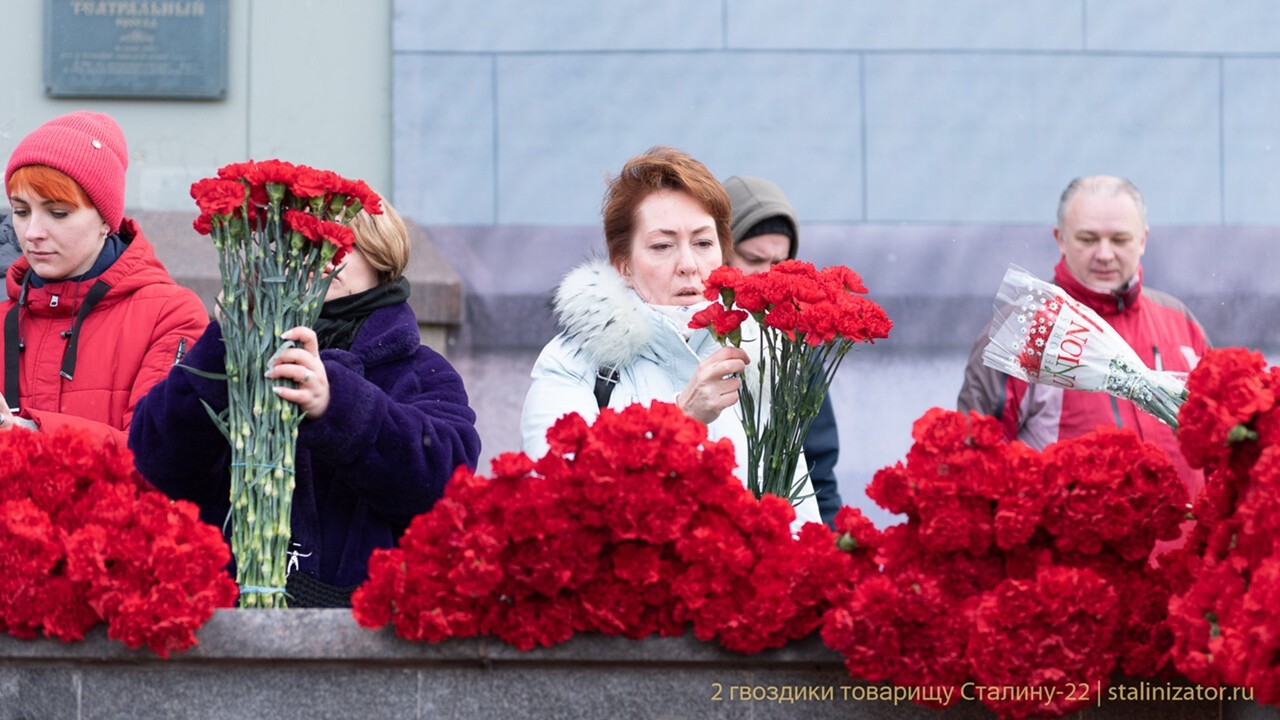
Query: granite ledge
{"x": 236, "y": 635}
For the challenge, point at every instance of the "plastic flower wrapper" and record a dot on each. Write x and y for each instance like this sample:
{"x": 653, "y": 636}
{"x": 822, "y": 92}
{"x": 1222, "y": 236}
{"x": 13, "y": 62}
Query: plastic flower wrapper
{"x": 278, "y": 227}
{"x": 809, "y": 319}
{"x": 1042, "y": 335}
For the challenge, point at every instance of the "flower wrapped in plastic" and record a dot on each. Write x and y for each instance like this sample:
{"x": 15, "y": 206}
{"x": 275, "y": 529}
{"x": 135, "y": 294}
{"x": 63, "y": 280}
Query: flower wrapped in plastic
{"x": 1042, "y": 335}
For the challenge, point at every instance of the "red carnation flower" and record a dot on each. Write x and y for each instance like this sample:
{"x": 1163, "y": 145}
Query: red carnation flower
{"x": 1125, "y": 491}
{"x": 369, "y": 200}
{"x": 321, "y": 231}
{"x": 308, "y": 182}
{"x": 1053, "y": 632}
{"x": 721, "y": 321}
{"x": 215, "y": 196}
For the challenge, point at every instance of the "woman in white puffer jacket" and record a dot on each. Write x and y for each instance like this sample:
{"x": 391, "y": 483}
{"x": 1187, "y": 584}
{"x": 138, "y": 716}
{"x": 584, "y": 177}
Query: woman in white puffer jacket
{"x": 666, "y": 221}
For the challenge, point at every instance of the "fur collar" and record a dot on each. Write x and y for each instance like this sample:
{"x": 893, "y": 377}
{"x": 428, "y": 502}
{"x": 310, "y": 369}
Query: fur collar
{"x": 603, "y": 317}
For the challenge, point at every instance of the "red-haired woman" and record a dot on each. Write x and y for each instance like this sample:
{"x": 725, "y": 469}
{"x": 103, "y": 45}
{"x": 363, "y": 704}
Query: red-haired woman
{"x": 624, "y": 322}
{"x": 93, "y": 320}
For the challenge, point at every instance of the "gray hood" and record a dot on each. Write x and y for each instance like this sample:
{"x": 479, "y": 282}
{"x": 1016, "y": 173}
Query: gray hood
{"x": 755, "y": 199}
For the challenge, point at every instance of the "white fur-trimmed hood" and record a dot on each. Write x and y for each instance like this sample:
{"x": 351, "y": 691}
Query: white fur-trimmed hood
{"x": 597, "y": 312}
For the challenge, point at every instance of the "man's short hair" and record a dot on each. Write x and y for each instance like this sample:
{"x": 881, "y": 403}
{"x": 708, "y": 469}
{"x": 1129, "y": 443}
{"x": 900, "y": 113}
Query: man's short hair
{"x": 1104, "y": 185}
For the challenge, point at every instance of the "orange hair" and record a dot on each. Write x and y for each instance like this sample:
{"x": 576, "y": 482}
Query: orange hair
{"x": 661, "y": 168}
{"x": 48, "y": 183}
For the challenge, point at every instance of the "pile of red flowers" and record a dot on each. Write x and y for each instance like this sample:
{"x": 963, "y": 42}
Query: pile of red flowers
{"x": 632, "y": 526}
{"x": 316, "y": 203}
{"x": 1225, "y": 623}
{"x": 82, "y": 541}
{"x": 1015, "y": 570}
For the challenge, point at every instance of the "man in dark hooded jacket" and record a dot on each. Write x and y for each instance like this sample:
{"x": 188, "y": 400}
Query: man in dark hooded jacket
{"x": 765, "y": 232}
{"x": 9, "y": 248}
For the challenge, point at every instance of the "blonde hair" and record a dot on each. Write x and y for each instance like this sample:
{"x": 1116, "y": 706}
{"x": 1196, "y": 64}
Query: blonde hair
{"x": 383, "y": 240}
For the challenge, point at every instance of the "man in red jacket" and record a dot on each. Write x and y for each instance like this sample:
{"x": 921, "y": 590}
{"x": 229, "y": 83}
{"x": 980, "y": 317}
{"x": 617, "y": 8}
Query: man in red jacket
{"x": 1102, "y": 233}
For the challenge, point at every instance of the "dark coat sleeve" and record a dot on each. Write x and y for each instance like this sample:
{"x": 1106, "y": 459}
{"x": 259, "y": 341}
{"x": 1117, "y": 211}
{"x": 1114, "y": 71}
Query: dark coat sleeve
{"x": 821, "y": 451}
{"x": 394, "y": 434}
{"x": 175, "y": 444}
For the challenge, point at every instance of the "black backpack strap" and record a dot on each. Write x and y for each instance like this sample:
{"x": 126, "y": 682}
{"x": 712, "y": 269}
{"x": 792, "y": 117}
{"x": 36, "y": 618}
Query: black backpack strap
{"x": 13, "y": 346}
{"x": 606, "y": 380}
{"x": 96, "y": 293}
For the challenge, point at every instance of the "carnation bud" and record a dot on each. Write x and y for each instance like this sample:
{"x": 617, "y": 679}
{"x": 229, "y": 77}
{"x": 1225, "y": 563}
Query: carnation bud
{"x": 1240, "y": 433}
{"x": 847, "y": 543}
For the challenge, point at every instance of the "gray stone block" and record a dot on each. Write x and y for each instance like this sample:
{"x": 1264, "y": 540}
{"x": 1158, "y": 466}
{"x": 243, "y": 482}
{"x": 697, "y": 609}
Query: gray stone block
{"x": 798, "y": 125}
{"x": 518, "y": 26}
{"x": 234, "y": 692}
{"x": 658, "y": 692}
{"x": 443, "y": 122}
{"x": 1187, "y": 26}
{"x": 937, "y": 281}
{"x": 1251, "y": 140}
{"x": 905, "y": 25}
{"x": 38, "y": 693}
{"x": 994, "y": 139}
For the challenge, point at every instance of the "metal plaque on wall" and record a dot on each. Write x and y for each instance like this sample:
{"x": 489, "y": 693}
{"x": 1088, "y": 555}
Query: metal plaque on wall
{"x": 136, "y": 48}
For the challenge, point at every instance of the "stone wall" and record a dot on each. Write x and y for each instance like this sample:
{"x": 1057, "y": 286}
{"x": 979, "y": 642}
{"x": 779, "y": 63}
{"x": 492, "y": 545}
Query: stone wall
{"x": 437, "y": 291}
{"x": 923, "y": 143}
{"x": 308, "y": 664}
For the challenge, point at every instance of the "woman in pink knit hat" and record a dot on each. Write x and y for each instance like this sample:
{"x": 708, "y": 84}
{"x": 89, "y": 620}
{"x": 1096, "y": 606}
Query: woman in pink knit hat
{"x": 93, "y": 319}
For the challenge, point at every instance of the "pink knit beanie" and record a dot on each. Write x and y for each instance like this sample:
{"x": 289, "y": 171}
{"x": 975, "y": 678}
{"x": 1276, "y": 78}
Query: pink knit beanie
{"x": 89, "y": 147}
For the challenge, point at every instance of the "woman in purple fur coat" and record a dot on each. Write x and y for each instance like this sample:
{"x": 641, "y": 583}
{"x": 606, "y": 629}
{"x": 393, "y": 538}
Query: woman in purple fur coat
{"x": 387, "y": 422}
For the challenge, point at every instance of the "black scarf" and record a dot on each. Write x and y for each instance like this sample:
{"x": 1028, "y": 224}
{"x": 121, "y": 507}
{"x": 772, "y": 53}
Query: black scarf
{"x": 341, "y": 319}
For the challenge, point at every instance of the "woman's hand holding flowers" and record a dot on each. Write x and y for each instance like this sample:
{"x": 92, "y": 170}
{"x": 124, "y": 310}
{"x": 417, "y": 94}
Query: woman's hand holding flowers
{"x": 302, "y": 365}
{"x": 714, "y": 385}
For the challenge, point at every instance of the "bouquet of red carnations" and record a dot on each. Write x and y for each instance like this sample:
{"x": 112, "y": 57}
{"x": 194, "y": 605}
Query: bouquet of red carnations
{"x": 809, "y": 319}
{"x": 277, "y": 227}
{"x": 1040, "y": 334}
